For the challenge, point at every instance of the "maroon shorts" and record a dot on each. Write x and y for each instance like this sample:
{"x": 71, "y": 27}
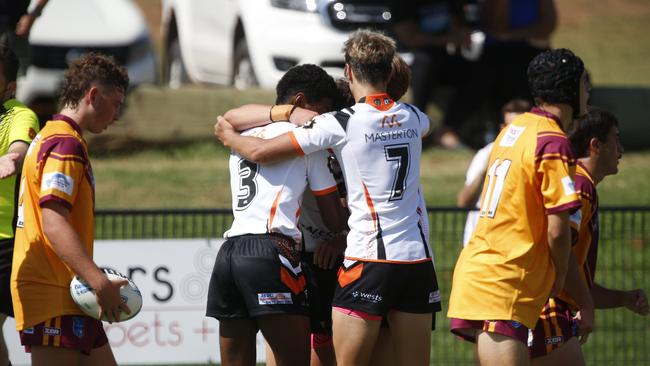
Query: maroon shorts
{"x": 554, "y": 328}
{"x": 468, "y": 329}
{"x": 68, "y": 331}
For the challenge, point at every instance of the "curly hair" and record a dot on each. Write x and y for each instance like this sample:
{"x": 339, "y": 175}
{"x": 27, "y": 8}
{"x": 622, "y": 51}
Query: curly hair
{"x": 370, "y": 55}
{"x": 88, "y": 70}
{"x": 596, "y": 123}
{"x": 9, "y": 63}
{"x": 309, "y": 79}
{"x": 400, "y": 78}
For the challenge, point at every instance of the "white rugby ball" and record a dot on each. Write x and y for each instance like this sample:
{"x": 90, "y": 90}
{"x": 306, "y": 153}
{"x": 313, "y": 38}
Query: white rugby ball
{"x": 84, "y": 295}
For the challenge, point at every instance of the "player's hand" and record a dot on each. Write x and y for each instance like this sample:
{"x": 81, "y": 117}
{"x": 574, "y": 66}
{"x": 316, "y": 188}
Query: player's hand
{"x": 637, "y": 301}
{"x": 8, "y": 165}
{"x": 24, "y": 25}
{"x": 328, "y": 252}
{"x": 109, "y": 299}
{"x": 221, "y": 130}
{"x": 585, "y": 320}
{"x": 300, "y": 116}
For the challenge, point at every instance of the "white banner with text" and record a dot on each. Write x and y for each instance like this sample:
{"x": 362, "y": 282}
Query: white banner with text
{"x": 173, "y": 277}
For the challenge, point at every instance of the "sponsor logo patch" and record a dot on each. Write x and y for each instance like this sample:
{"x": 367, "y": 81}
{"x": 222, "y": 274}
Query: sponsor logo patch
{"x": 512, "y": 134}
{"x": 28, "y": 330}
{"x": 58, "y": 181}
{"x": 274, "y": 298}
{"x": 78, "y": 326}
{"x": 366, "y": 297}
{"x": 434, "y": 297}
{"x": 51, "y": 331}
{"x": 515, "y": 324}
{"x": 554, "y": 340}
{"x": 569, "y": 187}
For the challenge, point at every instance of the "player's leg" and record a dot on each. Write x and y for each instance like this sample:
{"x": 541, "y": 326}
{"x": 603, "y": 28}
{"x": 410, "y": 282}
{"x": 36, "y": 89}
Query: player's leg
{"x": 570, "y": 353}
{"x": 100, "y": 356}
{"x": 411, "y": 335}
{"x": 237, "y": 342}
{"x": 54, "y": 356}
{"x": 384, "y": 353}
{"x": 354, "y": 337}
{"x": 495, "y": 349}
{"x": 322, "y": 350}
{"x": 288, "y": 337}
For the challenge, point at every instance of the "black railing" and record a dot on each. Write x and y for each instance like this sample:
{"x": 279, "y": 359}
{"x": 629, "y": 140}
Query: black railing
{"x": 620, "y": 338}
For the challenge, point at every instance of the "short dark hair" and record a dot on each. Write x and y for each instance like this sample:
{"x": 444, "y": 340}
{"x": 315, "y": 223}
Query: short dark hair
{"x": 344, "y": 98}
{"x": 517, "y": 105}
{"x": 309, "y": 79}
{"x": 91, "y": 68}
{"x": 9, "y": 62}
{"x": 597, "y": 123}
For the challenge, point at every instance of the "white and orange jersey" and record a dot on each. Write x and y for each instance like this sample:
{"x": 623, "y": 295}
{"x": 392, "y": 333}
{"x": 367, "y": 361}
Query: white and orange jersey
{"x": 266, "y": 198}
{"x": 378, "y": 143}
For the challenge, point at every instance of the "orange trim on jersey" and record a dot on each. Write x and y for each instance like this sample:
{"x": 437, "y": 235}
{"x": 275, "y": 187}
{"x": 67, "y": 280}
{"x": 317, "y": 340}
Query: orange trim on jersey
{"x": 325, "y": 191}
{"x": 296, "y": 145}
{"x": 551, "y": 133}
{"x": 57, "y": 325}
{"x": 274, "y": 208}
{"x": 382, "y": 101}
{"x": 297, "y": 285}
{"x": 298, "y": 212}
{"x": 371, "y": 206}
{"x": 347, "y": 277}
{"x": 388, "y": 261}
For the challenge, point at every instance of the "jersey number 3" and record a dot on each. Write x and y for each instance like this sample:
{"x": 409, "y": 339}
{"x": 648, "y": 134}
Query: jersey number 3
{"x": 496, "y": 176}
{"x": 247, "y": 184}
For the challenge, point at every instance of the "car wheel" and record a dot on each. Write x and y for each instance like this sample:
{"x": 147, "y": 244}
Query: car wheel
{"x": 176, "y": 73}
{"x": 243, "y": 73}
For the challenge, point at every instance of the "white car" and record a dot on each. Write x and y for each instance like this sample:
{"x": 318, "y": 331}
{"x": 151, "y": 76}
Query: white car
{"x": 253, "y": 42}
{"x": 69, "y": 28}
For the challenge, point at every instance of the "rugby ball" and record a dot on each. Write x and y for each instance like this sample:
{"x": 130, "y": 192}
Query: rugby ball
{"x": 84, "y": 295}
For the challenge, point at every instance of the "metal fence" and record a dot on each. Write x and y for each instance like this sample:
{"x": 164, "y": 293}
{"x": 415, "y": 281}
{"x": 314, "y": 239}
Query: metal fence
{"x": 620, "y": 338}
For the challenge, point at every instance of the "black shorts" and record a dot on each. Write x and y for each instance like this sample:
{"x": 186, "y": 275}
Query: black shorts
{"x": 322, "y": 283}
{"x": 377, "y": 287}
{"x": 6, "y": 257}
{"x": 257, "y": 275}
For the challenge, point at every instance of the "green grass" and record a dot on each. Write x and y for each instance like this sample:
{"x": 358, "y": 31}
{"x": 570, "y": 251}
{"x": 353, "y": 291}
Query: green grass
{"x": 196, "y": 176}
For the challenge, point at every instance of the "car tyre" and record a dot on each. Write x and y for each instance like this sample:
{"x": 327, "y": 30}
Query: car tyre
{"x": 176, "y": 72}
{"x": 243, "y": 72}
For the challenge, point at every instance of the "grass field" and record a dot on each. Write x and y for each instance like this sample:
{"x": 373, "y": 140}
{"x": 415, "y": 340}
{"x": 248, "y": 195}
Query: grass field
{"x": 161, "y": 155}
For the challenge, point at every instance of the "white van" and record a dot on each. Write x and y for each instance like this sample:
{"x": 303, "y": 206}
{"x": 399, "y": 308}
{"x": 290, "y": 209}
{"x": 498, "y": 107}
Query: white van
{"x": 69, "y": 28}
{"x": 253, "y": 42}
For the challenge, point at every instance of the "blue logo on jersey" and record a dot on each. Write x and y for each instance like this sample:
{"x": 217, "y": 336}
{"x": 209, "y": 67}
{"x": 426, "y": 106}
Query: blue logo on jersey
{"x": 515, "y": 324}
{"x": 78, "y": 326}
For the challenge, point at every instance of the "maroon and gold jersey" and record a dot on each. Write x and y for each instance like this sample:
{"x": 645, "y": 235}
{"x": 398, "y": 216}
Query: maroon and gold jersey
{"x": 585, "y": 235}
{"x": 506, "y": 271}
{"x": 56, "y": 169}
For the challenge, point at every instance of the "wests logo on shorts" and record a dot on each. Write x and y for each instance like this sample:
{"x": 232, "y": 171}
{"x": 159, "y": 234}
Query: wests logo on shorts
{"x": 373, "y": 298}
{"x": 554, "y": 340}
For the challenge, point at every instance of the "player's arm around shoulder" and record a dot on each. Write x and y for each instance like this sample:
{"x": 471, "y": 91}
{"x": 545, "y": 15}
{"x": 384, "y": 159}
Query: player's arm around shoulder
{"x": 70, "y": 249}
{"x": 255, "y": 149}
